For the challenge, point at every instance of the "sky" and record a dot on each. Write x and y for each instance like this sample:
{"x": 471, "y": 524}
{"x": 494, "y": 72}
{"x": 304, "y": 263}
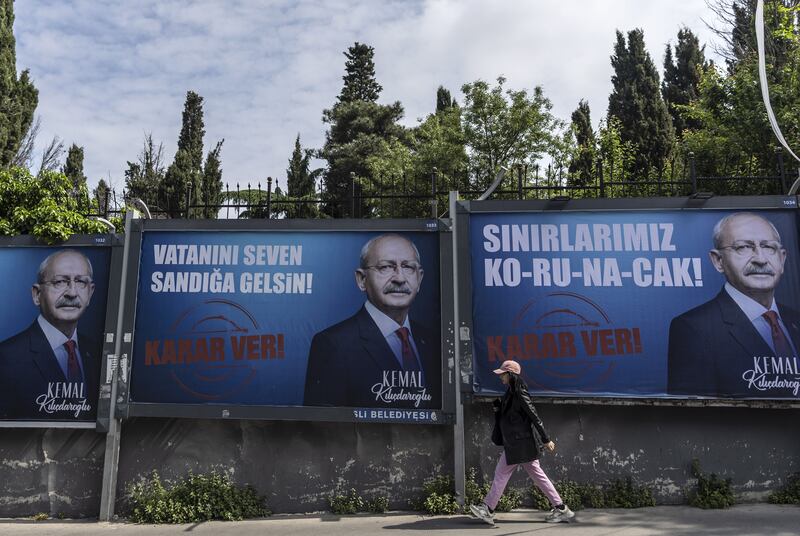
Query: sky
{"x": 110, "y": 71}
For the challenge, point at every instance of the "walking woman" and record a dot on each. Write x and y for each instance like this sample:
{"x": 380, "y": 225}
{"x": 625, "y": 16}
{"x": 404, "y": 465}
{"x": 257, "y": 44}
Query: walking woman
{"x": 521, "y": 433}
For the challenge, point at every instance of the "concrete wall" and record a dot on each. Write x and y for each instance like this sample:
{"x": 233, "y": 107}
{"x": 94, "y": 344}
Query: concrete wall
{"x": 298, "y": 464}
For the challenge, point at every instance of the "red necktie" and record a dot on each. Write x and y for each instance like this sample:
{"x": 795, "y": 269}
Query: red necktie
{"x": 779, "y": 341}
{"x": 409, "y": 359}
{"x": 73, "y": 367}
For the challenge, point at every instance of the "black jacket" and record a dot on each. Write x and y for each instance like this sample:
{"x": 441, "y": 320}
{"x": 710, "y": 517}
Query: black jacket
{"x": 520, "y": 428}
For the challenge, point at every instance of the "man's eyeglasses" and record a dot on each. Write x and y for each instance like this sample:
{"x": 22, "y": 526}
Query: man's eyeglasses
{"x": 388, "y": 268}
{"x": 748, "y": 249}
{"x": 61, "y": 283}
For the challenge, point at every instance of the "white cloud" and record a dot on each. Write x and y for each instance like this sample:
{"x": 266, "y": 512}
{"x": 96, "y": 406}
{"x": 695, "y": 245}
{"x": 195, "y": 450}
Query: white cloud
{"x": 109, "y": 71}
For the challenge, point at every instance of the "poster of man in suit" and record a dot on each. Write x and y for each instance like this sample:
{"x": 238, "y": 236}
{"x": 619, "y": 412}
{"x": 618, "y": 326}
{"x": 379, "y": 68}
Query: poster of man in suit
{"x": 631, "y": 303}
{"x": 732, "y": 344}
{"x": 50, "y": 369}
{"x": 378, "y": 357}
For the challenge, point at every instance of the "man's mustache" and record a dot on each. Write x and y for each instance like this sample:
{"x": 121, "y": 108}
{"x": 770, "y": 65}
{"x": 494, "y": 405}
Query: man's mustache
{"x": 68, "y": 302}
{"x": 394, "y": 289}
{"x": 759, "y": 270}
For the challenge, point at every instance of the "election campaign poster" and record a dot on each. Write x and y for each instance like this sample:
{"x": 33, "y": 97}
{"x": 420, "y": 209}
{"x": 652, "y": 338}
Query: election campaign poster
{"x": 656, "y": 303}
{"x": 288, "y": 318}
{"x": 51, "y": 333}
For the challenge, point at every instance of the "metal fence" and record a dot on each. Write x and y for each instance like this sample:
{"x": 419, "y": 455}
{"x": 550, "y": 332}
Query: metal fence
{"x": 424, "y": 197}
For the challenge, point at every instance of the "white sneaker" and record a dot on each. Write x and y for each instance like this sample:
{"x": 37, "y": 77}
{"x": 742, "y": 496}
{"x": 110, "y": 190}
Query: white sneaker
{"x": 560, "y": 516}
{"x": 481, "y": 511}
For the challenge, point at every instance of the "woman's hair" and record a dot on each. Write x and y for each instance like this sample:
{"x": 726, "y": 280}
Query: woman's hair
{"x": 515, "y": 382}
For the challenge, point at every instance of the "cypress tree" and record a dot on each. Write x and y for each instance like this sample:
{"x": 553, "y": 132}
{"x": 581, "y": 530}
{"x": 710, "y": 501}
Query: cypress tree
{"x": 300, "y": 182}
{"x": 185, "y": 174}
{"x": 581, "y": 168}
{"x": 682, "y": 77}
{"x": 103, "y": 195}
{"x": 211, "y": 188}
{"x": 636, "y": 102}
{"x": 444, "y": 101}
{"x": 359, "y": 78}
{"x": 358, "y": 127}
{"x": 73, "y": 167}
{"x": 18, "y": 96}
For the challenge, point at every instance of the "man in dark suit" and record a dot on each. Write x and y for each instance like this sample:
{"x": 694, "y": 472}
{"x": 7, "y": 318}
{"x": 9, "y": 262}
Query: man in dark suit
{"x": 741, "y": 343}
{"x": 378, "y": 357}
{"x": 49, "y": 371}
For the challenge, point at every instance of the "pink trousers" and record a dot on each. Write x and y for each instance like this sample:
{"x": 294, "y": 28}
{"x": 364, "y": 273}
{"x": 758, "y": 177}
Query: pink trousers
{"x": 503, "y": 472}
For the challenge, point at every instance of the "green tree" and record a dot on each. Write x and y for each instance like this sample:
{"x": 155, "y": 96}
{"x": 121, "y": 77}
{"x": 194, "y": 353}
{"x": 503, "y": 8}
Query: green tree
{"x": 582, "y": 164}
{"x": 359, "y": 79}
{"x": 211, "y": 186}
{"x": 73, "y": 170}
{"x": 143, "y": 178}
{"x": 102, "y": 196}
{"x": 736, "y": 138}
{"x": 444, "y": 100}
{"x": 636, "y": 102}
{"x": 301, "y": 183}
{"x": 44, "y": 206}
{"x": 439, "y": 148}
{"x": 682, "y": 77}
{"x": 183, "y": 177}
{"x": 18, "y": 96}
{"x": 504, "y": 127}
{"x": 73, "y": 167}
{"x": 357, "y": 126}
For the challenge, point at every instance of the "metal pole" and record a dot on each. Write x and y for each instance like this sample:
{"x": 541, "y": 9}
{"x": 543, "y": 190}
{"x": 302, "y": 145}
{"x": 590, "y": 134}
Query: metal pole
{"x": 434, "y": 201}
{"x": 459, "y": 462}
{"x": 108, "y": 493}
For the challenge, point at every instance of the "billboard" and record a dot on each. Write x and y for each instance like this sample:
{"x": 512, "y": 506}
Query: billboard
{"x": 287, "y": 318}
{"x": 655, "y": 303}
{"x": 51, "y": 333}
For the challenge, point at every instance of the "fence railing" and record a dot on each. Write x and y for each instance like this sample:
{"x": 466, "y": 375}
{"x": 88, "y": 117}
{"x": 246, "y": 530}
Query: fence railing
{"x": 423, "y": 197}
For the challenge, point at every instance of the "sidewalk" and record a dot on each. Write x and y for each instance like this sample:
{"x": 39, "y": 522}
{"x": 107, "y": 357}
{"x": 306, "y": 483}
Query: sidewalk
{"x": 742, "y": 520}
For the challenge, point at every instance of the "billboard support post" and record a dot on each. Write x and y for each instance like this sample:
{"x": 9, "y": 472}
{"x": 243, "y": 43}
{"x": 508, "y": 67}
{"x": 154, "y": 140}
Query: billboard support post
{"x": 108, "y": 493}
{"x": 459, "y": 464}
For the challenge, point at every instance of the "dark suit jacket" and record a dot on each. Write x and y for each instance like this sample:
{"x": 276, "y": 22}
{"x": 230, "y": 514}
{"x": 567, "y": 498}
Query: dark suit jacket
{"x": 712, "y": 345}
{"x": 28, "y": 364}
{"x": 347, "y": 359}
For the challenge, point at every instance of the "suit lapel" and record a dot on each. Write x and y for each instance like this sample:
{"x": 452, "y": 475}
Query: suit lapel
{"x": 374, "y": 342}
{"x": 741, "y": 328}
{"x": 43, "y": 355}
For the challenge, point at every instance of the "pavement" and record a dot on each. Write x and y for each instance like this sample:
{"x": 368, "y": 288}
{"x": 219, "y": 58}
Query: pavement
{"x": 741, "y": 520}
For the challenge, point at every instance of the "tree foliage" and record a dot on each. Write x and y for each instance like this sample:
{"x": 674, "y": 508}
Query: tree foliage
{"x": 359, "y": 79}
{"x": 301, "y": 184}
{"x": 143, "y": 178}
{"x": 636, "y": 102}
{"x": 43, "y": 206}
{"x": 359, "y": 128}
{"x": 182, "y": 180}
{"x": 582, "y": 163}
{"x": 735, "y": 138}
{"x": 682, "y": 77}
{"x": 504, "y": 127}
{"x": 18, "y": 96}
{"x": 211, "y": 187}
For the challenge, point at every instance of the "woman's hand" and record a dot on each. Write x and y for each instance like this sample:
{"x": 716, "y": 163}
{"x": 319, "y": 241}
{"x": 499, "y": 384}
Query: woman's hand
{"x": 550, "y": 446}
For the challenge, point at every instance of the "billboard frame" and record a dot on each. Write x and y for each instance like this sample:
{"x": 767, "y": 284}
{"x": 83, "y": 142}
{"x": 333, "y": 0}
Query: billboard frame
{"x": 126, "y": 408}
{"x": 702, "y": 201}
{"x": 115, "y": 242}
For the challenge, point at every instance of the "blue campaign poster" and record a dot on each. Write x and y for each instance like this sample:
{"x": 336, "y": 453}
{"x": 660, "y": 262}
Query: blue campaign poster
{"x": 279, "y": 318}
{"x": 638, "y": 304}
